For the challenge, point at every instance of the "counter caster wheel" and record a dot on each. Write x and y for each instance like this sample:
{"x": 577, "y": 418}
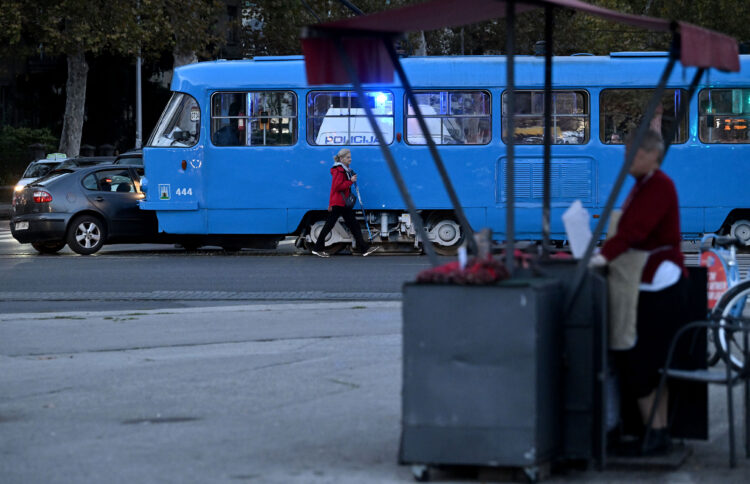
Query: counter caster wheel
{"x": 421, "y": 473}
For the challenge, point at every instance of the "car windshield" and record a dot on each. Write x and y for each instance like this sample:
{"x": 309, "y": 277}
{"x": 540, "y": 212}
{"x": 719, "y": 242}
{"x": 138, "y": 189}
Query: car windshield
{"x": 36, "y": 170}
{"x": 128, "y": 159}
{"x": 86, "y": 161}
{"x": 53, "y": 175}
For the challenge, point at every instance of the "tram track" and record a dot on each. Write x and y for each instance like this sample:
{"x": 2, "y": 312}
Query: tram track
{"x": 199, "y": 296}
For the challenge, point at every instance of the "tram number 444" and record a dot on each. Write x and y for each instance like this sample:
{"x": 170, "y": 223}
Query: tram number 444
{"x": 184, "y": 191}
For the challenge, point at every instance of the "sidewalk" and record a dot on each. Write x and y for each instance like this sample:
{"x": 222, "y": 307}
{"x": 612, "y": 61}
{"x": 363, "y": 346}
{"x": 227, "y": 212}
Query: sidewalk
{"x": 272, "y": 393}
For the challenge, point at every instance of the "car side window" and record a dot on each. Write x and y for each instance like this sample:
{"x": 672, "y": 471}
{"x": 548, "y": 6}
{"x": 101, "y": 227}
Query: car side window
{"x": 115, "y": 181}
{"x": 89, "y": 183}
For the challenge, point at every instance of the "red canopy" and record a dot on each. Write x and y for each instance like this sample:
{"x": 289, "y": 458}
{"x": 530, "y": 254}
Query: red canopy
{"x": 362, "y": 35}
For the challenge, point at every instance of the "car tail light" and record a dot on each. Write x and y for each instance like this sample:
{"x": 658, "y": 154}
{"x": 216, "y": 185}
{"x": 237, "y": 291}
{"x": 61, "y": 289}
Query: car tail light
{"x": 40, "y": 196}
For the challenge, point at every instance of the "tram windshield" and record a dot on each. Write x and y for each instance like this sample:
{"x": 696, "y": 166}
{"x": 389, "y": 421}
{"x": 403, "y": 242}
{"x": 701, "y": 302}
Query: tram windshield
{"x": 179, "y": 124}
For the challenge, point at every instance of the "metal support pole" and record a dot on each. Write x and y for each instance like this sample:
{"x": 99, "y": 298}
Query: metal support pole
{"x": 547, "y": 171}
{"x": 630, "y": 155}
{"x": 138, "y": 105}
{"x": 684, "y": 106}
{"x": 510, "y": 195}
{"x": 468, "y": 232}
{"x": 416, "y": 218}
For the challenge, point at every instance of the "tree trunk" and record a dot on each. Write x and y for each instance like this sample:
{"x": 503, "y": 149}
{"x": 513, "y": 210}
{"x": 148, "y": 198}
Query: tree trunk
{"x": 75, "y": 102}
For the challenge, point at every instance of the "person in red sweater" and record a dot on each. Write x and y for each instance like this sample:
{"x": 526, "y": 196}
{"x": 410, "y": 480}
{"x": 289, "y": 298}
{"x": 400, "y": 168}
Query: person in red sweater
{"x": 650, "y": 222}
{"x": 343, "y": 178}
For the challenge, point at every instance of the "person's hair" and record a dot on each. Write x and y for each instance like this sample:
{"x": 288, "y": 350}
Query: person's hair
{"x": 652, "y": 141}
{"x": 342, "y": 153}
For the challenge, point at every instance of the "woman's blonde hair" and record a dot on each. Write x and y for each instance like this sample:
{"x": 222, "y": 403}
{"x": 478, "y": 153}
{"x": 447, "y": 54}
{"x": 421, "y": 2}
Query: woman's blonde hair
{"x": 342, "y": 153}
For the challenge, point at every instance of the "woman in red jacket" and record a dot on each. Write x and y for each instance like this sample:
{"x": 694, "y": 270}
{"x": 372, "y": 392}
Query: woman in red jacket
{"x": 343, "y": 178}
{"x": 650, "y": 222}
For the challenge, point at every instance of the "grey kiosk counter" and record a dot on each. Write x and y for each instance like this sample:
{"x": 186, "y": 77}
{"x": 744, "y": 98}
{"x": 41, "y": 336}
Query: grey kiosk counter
{"x": 496, "y": 376}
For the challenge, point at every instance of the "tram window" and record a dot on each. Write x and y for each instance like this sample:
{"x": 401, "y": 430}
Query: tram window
{"x": 724, "y": 115}
{"x": 260, "y": 118}
{"x": 180, "y": 123}
{"x": 570, "y": 117}
{"x": 338, "y": 118}
{"x": 621, "y": 111}
{"x": 452, "y": 117}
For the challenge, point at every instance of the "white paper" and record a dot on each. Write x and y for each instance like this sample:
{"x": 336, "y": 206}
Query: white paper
{"x": 576, "y": 221}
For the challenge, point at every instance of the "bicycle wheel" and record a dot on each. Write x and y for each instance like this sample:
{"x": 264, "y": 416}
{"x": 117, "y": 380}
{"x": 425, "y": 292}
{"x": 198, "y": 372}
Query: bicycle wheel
{"x": 713, "y": 354}
{"x": 735, "y": 302}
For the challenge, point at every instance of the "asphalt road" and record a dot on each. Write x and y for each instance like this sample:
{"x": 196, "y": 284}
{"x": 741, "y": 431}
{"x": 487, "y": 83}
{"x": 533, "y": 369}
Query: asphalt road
{"x": 148, "y": 276}
{"x": 156, "y": 276}
{"x": 148, "y": 364}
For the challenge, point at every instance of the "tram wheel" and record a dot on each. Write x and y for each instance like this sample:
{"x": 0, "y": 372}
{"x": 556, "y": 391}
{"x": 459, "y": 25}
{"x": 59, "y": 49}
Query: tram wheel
{"x": 449, "y": 231}
{"x": 331, "y": 249}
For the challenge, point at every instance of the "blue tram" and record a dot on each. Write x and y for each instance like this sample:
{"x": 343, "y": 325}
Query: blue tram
{"x": 241, "y": 154}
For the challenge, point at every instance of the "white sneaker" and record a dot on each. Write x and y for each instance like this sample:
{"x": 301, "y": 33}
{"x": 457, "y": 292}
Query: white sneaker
{"x": 321, "y": 253}
{"x": 371, "y": 250}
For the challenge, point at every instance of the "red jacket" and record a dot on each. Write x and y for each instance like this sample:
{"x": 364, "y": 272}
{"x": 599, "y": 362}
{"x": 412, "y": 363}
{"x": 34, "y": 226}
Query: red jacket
{"x": 340, "y": 183}
{"x": 650, "y": 220}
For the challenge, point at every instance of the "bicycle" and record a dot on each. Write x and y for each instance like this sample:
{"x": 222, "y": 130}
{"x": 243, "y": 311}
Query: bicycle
{"x": 728, "y": 297}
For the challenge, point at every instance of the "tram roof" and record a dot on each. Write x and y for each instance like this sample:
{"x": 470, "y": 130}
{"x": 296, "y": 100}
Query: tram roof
{"x": 616, "y": 70}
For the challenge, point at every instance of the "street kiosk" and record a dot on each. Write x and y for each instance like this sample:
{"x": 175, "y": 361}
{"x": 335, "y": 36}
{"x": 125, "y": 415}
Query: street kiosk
{"x": 510, "y": 374}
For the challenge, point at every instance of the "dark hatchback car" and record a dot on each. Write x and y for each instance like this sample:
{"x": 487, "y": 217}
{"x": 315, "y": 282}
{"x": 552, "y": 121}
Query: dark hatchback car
{"x": 134, "y": 158}
{"x": 85, "y": 208}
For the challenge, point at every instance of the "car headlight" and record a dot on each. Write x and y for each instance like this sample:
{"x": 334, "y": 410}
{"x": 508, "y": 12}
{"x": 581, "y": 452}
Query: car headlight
{"x": 18, "y": 188}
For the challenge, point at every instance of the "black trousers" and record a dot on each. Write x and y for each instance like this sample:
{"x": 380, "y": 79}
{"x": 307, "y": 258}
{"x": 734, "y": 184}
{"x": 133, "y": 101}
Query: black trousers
{"x": 351, "y": 223}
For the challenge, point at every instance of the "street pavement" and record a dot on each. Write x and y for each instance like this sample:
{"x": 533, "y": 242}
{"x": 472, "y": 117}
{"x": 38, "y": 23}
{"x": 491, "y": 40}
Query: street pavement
{"x": 269, "y": 393}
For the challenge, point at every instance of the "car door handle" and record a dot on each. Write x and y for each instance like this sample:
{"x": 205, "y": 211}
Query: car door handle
{"x": 99, "y": 199}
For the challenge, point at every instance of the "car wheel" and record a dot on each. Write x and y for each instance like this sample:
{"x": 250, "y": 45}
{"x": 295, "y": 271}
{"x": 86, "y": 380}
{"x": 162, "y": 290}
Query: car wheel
{"x": 48, "y": 247}
{"x": 86, "y": 235}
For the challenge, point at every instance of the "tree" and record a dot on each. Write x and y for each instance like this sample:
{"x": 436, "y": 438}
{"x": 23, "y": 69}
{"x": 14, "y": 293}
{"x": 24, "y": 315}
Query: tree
{"x": 272, "y": 26}
{"x": 77, "y": 28}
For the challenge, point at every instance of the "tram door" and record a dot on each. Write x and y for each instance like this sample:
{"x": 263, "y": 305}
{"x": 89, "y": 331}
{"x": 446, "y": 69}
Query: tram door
{"x": 173, "y": 162}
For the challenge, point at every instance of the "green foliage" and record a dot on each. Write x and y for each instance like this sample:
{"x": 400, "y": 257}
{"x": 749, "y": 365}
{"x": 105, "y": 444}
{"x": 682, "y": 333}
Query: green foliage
{"x": 274, "y": 25}
{"x": 95, "y": 26}
{"x": 14, "y": 150}
{"x": 277, "y": 23}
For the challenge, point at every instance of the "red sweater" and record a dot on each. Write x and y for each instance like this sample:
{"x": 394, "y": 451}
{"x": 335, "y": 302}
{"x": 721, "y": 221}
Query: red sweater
{"x": 340, "y": 183}
{"x": 650, "y": 220}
